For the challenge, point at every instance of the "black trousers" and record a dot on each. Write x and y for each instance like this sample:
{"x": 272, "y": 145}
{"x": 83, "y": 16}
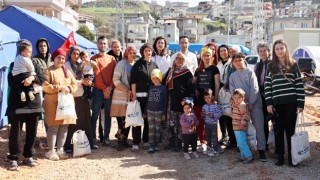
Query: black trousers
{"x": 136, "y": 131}
{"x": 223, "y": 127}
{"x": 17, "y": 120}
{"x": 123, "y": 132}
{"x": 285, "y": 123}
{"x": 228, "y": 122}
{"x": 189, "y": 139}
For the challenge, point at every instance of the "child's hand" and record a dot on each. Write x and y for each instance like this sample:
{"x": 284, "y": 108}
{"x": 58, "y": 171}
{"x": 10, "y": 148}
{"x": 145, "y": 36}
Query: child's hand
{"x": 211, "y": 115}
{"x": 163, "y": 117}
{"x": 249, "y": 106}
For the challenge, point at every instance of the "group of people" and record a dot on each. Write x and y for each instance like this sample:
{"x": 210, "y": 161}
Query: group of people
{"x": 178, "y": 96}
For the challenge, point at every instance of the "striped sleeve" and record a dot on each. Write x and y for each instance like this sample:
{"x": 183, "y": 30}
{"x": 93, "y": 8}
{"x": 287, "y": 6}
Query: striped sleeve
{"x": 268, "y": 89}
{"x": 299, "y": 90}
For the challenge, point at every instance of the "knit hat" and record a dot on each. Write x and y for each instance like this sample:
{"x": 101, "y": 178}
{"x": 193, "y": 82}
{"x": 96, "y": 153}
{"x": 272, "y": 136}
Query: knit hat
{"x": 156, "y": 73}
{"x": 206, "y": 49}
{"x": 58, "y": 52}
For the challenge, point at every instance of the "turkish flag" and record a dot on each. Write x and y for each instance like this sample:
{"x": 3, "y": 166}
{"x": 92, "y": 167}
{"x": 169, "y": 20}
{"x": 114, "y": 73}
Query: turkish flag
{"x": 70, "y": 41}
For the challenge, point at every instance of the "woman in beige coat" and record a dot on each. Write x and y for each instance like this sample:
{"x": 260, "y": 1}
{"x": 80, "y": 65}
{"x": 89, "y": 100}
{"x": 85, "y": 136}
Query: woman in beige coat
{"x": 57, "y": 79}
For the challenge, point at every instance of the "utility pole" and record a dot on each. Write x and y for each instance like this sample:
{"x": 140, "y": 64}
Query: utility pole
{"x": 116, "y": 22}
{"x": 258, "y": 25}
{"x": 123, "y": 37}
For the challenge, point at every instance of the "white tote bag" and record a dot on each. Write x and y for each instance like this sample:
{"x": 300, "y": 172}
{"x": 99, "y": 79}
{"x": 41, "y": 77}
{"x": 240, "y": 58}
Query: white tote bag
{"x": 133, "y": 114}
{"x": 252, "y": 136}
{"x": 65, "y": 108}
{"x": 300, "y": 148}
{"x": 81, "y": 145}
{"x": 224, "y": 101}
{"x": 271, "y": 137}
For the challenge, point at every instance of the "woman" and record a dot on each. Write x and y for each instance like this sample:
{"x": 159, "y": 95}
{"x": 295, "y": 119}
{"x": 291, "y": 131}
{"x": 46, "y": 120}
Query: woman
{"x": 214, "y": 61}
{"x": 246, "y": 79}
{"x": 206, "y": 76}
{"x": 19, "y": 112}
{"x": 225, "y": 122}
{"x": 179, "y": 84}
{"x": 284, "y": 94}
{"x": 161, "y": 56}
{"x": 43, "y": 54}
{"x": 122, "y": 94}
{"x": 140, "y": 82}
{"x": 57, "y": 79}
{"x": 81, "y": 104}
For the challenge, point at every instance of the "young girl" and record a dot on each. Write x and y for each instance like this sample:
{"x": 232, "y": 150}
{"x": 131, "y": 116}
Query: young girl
{"x": 240, "y": 124}
{"x": 189, "y": 123}
{"x": 87, "y": 66}
{"x": 156, "y": 109}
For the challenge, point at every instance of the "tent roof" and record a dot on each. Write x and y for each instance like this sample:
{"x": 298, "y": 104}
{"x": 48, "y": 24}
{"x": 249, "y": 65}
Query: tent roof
{"x": 312, "y": 52}
{"x": 7, "y": 34}
{"x": 33, "y": 26}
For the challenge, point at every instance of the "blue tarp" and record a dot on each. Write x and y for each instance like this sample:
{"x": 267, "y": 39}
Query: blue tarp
{"x": 33, "y": 26}
{"x": 8, "y": 49}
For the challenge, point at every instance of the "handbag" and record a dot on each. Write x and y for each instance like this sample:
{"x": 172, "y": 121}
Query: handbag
{"x": 81, "y": 145}
{"x": 133, "y": 114}
{"x": 252, "y": 136}
{"x": 300, "y": 148}
{"x": 224, "y": 101}
{"x": 66, "y": 107}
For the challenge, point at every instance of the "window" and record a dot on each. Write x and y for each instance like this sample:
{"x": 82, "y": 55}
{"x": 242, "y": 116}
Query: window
{"x": 304, "y": 25}
{"x": 189, "y": 21}
{"x": 168, "y": 35}
{"x": 40, "y": 11}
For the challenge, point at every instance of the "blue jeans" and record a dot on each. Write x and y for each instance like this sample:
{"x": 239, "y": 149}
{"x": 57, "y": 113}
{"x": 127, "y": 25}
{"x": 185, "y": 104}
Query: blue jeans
{"x": 97, "y": 102}
{"x": 241, "y": 137}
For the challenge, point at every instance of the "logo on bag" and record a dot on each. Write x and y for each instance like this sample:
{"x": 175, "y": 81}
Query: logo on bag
{"x": 304, "y": 150}
{"x": 134, "y": 114}
{"x": 64, "y": 107}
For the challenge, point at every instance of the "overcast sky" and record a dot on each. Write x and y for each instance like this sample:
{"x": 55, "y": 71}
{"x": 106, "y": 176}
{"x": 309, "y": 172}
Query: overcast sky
{"x": 192, "y": 3}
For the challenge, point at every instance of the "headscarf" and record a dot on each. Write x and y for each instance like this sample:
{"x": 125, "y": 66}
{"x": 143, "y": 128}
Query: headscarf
{"x": 126, "y": 52}
{"x": 56, "y": 53}
{"x": 175, "y": 71}
{"x": 40, "y": 55}
{"x": 75, "y": 67}
{"x": 203, "y": 50}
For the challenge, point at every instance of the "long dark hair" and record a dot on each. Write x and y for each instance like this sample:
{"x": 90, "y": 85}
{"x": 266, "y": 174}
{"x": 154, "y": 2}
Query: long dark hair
{"x": 164, "y": 51}
{"x": 289, "y": 64}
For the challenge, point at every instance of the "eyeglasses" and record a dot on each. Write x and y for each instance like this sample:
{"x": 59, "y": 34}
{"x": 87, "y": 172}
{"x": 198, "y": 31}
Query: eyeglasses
{"x": 180, "y": 59}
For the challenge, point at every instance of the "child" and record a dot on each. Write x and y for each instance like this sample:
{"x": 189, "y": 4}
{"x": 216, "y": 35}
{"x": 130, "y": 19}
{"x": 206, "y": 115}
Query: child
{"x": 211, "y": 113}
{"x": 156, "y": 109}
{"x": 87, "y": 66}
{"x": 240, "y": 124}
{"x": 189, "y": 122}
{"x": 23, "y": 68}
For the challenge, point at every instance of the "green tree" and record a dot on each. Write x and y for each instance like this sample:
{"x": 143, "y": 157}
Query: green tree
{"x": 86, "y": 33}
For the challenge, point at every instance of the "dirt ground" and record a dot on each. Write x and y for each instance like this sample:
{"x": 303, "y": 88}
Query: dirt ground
{"x": 108, "y": 163}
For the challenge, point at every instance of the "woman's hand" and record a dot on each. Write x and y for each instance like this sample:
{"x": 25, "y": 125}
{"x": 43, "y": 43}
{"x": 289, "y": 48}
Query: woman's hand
{"x": 107, "y": 92}
{"x": 270, "y": 109}
{"x": 299, "y": 110}
{"x": 28, "y": 81}
{"x": 64, "y": 89}
{"x": 87, "y": 82}
{"x": 134, "y": 97}
{"x": 249, "y": 106}
{"x": 129, "y": 94}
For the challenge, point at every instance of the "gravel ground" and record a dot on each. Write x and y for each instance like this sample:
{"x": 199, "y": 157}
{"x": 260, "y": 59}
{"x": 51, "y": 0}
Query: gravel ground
{"x": 107, "y": 163}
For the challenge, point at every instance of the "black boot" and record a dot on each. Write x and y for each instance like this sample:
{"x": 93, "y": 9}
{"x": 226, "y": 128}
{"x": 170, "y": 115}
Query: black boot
{"x": 280, "y": 160}
{"x": 120, "y": 146}
{"x": 263, "y": 157}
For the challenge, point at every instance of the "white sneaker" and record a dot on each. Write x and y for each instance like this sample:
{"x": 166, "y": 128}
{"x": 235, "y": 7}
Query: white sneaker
{"x": 186, "y": 156}
{"x": 62, "y": 154}
{"x": 23, "y": 97}
{"x": 204, "y": 147}
{"x": 52, "y": 155}
{"x": 135, "y": 147}
{"x": 195, "y": 154}
{"x": 31, "y": 96}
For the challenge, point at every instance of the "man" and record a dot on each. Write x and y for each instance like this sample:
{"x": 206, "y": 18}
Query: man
{"x": 260, "y": 70}
{"x": 102, "y": 91}
{"x": 116, "y": 50}
{"x": 191, "y": 58}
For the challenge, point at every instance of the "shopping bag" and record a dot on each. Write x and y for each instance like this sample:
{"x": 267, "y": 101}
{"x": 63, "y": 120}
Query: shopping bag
{"x": 65, "y": 108}
{"x": 81, "y": 145}
{"x": 224, "y": 101}
{"x": 300, "y": 148}
{"x": 251, "y": 136}
{"x": 133, "y": 115}
{"x": 271, "y": 137}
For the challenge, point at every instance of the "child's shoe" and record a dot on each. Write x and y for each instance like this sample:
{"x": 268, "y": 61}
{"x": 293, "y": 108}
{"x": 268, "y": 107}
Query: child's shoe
{"x": 195, "y": 154}
{"x": 213, "y": 153}
{"x": 150, "y": 150}
{"x": 156, "y": 149}
{"x": 62, "y": 154}
{"x": 186, "y": 156}
{"x": 31, "y": 95}
{"x": 23, "y": 97}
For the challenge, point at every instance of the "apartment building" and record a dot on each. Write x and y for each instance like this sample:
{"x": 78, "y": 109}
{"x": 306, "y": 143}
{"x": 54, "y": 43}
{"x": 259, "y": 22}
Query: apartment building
{"x": 63, "y": 11}
{"x": 167, "y": 29}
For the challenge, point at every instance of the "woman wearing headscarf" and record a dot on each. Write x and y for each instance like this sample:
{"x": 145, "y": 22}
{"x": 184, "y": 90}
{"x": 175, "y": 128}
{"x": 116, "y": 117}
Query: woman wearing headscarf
{"x": 179, "y": 84}
{"x": 140, "y": 82}
{"x": 214, "y": 61}
{"x": 57, "y": 79}
{"x": 206, "y": 76}
{"x": 122, "y": 94}
{"x": 81, "y": 104}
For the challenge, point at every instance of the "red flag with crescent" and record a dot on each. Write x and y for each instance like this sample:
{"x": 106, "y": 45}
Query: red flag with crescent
{"x": 70, "y": 41}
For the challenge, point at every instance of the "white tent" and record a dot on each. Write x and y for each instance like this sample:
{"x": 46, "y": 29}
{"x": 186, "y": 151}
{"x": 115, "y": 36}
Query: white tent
{"x": 8, "y": 50}
{"x": 312, "y": 52}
